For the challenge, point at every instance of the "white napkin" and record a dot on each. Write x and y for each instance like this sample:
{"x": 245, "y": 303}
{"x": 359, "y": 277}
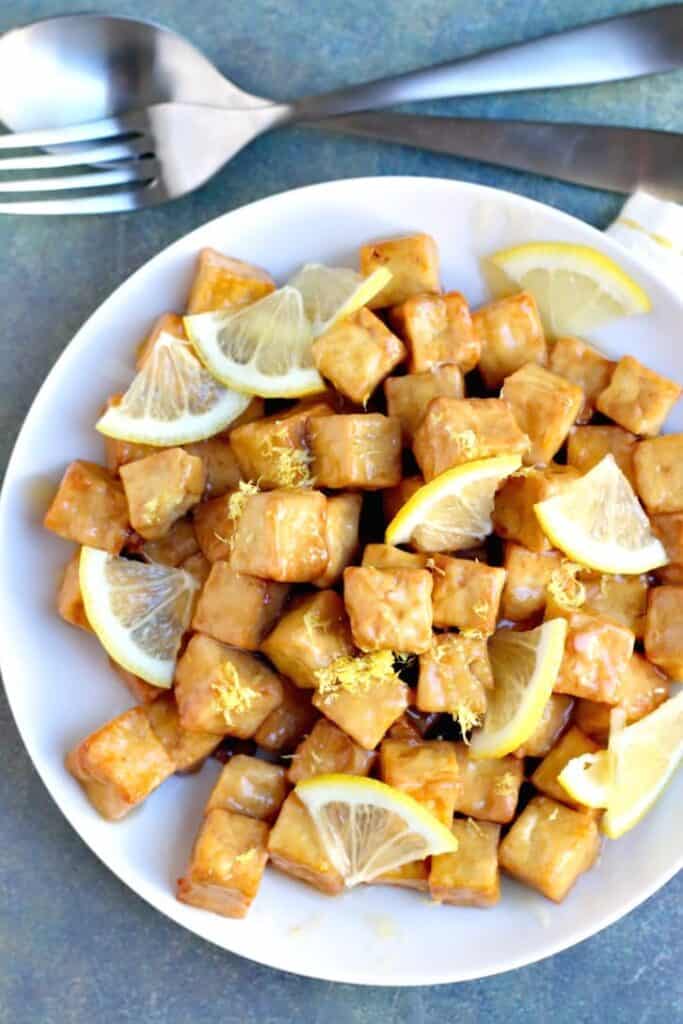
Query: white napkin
{"x": 653, "y": 230}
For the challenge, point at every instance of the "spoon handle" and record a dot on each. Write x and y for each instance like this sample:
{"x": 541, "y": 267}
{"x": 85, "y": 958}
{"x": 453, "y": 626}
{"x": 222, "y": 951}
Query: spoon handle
{"x": 626, "y": 46}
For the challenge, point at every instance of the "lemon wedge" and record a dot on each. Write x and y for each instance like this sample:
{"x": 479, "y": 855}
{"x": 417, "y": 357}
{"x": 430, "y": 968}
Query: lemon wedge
{"x": 138, "y": 611}
{"x": 628, "y": 778}
{"x": 453, "y": 511}
{"x": 576, "y": 287}
{"x": 172, "y": 400}
{"x": 525, "y": 667}
{"x": 368, "y": 828}
{"x": 598, "y": 521}
{"x": 331, "y": 293}
{"x": 263, "y": 349}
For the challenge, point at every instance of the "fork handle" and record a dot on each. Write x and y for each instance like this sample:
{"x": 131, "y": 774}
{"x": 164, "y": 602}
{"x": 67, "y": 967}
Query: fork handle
{"x": 626, "y": 46}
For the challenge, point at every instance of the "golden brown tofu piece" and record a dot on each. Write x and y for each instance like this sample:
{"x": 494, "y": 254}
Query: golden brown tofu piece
{"x": 312, "y": 634}
{"x": 438, "y": 329}
{"x": 454, "y": 677}
{"x": 513, "y": 509}
{"x": 188, "y": 750}
{"x": 672, "y": 575}
{"x": 359, "y": 450}
{"x": 89, "y": 508}
{"x": 658, "y": 467}
{"x": 328, "y": 750}
{"x": 553, "y": 722}
{"x": 583, "y": 365}
{"x": 295, "y": 848}
{"x": 664, "y": 630}
{"x": 527, "y": 576}
{"x": 167, "y": 323}
{"x": 365, "y": 715}
{"x": 457, "y": 430}
{"x": 621, "y": 598}
{"x": 179, "y": 544}
{"x": 117, "y": 453}
{"x": 227, "y": 864}
{"x": 248, "y": 785}
{"x": 214, "y": 526}
{"x": 426, "y": 771}
{"x": 596, "y": 653}
{"x": 469, "y": 877}
{"x": 69, "y": 597}
{"x": 489, "y": 788}
{"x": 413, "y": 261}
{"x": 222, "y": 690}
{"x": 572, "y": 744}
{"x": 413, "y": 725}
{"x": 141, "y": 691}
{"x": 357, "y": 353}
{"x": 161, "y": 489}
{"x": 466, "y": 594}
{"x": 511, "y": 334}
{"x": 586, "y": 446}
{"x": 545, "y": 407}
{"x": 221, "y": 469}
{"x": 221, "y": 282}
{"x": 237, "y": 609}
{"x": 669, "y": 529}
{"x": 341, "y": 534}
{"x": 395, "y": 498}
{"x": 638, "y": 399}
{"x": 642, "y": 688}
{"x": 549, "y": 846}
{"x": 288, "y": 723}
{"x": 198, "y": 567}
{"x": 389, "y": 609}
{"x": 274, "y": 451}
{"x": 385, "y": 556}
{"x": 120, "y": 764}
{"x": 408, "y": 397}
{"x": 281, "y": 535}
{"x": 413, "y": 875}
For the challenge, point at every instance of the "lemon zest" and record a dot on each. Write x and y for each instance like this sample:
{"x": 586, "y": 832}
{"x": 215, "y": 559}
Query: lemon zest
{"x": 465, "y": 440}
{"x": 238, "y": 501}
{"x": 232, "y": 695}
{"x": 505, "y": 785}
{"x": 291, "y": 464}
{"x": 553, "y": 814}
{"x": 433, "y": 567}
{"x": 475, "y": 826}
{"x": 314, "y": 623}
{"x": 356, "y": 674}
{"x": 466, "y": 718}
{"x": 564, "y": 587}
{"x": 473, "y": 634}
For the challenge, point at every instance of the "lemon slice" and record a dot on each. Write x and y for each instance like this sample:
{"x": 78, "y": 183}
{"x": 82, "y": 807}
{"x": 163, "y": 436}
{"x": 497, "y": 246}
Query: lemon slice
{"x": 628, "y": 778}
{"x": 263, "y": 349}
{"x": 598, "y": 521}
{"x": 576, "y": 287}
{"x": 172, "y": 400}
{"x": 368, "y": 828}
{"x": 331, "y": 293}
{"x": 453, "y": 511}
{"x": 525, "y": 667}
{"x": 138, "y": 611}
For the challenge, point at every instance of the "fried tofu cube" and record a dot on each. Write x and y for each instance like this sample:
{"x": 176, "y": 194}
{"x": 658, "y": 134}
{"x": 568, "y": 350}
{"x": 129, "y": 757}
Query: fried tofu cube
{"x": 274, "y": 451}
{"x": 341, "y": 534}
{"x": 527, "y": 576}
{"x": 672, "y": 575}
{"x": 221, "y": 282}
{"x": 365, "y": 715}
{"x": 669, "y": 529}
{"x": 394, "y": 498}
{"x": 248, "y": 785}
{"x": 385, "y": 556}
{"x": 454, "y": 677}
{"x": 642, "y": 688}
{"x": 89, "y": 508}
{"x": 469, "y": 877}
{"x": 489, "y": 788}
{"x": 288, "y": 723}
{"x": 586, "y": 446}
{"x": 620, "y": 598}
{"x": 179, "y": 544}
{"x": 664, "y": 630}
{"x": 227, "y": 864}
{"x": 281, "y": 535}
{"x": 214, "y": 525}
{"x": 413, "y": 725}
{"x": 198, "y": 567}
{"x": 161, "y": 489}
{"x": 638, "y": 399}
{"x": 328, "y": 750}
{"x": 389, "y": 609}
{"x": 572, "y": 744}
{"x": 188, "y": 750}
{"x": 549, "y": 846}
{"x": 221, "y": 469}
{"x": 312, "y": 634}
{"x": 545, "y": 407}
{"x": 511, "y": 334}
{"x": 295, "y": 848}
{"x": 167, "y": 323}
{"x": 413, "y": 261}
{"x": 408, "y": 397}
{"x": 69, "y": 597}
{"x": 438, "y": 329}
{"x": 513, "y": 509}
{"x": 222, "y": 690}
{"x": 658, "y": 467}
{"x": 357, "y": 353}
{"x": 583, "y": 365}
{"x": 359, "y": 450}
{"x": 457, "y": 430}
{"x": 553, "y": 722}
{"x": 426, "y": 771}
{"x": 466, "y": 594}
{"x": 413, "y": 875}
{"x": 596, "y": 653}
{"x": 118, "y": 453}
{"x": 120, "y": 764}
{"x": 237, "y": 609}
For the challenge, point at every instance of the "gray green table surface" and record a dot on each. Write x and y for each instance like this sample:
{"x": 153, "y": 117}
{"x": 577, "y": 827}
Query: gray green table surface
{"x": 76, "y": 946}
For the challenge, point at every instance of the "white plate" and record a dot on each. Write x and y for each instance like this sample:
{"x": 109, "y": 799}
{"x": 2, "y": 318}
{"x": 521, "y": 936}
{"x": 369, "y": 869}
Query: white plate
{"x": 60, "y": 686}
